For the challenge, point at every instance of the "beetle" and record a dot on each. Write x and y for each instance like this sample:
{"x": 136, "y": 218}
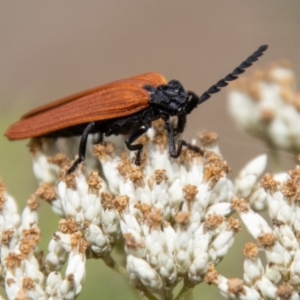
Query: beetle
{"x": 126, "y": 107}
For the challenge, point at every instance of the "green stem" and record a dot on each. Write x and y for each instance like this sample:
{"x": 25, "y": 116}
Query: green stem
{"x": 274, "y": 153}
{"x": 111, "y": 263}
{"x": 276, "y": 164}
{"x": 183, "y": 294}
{"x": 148, "y": 295}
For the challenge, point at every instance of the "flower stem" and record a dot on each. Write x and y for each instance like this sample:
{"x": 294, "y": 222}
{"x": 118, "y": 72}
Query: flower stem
{"x": 183, "y": 294}
{"x": 111, "y": 263}
{"x": 276, "y": 163}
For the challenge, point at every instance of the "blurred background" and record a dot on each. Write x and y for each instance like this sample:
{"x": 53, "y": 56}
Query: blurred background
{"x": 56, "y": 48}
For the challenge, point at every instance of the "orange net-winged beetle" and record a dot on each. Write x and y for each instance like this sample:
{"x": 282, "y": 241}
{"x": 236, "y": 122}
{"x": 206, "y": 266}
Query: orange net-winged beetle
{"x": 126, "y": 106}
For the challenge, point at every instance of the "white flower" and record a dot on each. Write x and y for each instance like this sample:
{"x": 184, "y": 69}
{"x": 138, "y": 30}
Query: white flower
{"x": 247, "y": 183}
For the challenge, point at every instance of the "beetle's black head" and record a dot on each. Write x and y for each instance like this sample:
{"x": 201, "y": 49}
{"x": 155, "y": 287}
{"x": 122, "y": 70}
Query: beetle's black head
{"x": 171, "y": 97}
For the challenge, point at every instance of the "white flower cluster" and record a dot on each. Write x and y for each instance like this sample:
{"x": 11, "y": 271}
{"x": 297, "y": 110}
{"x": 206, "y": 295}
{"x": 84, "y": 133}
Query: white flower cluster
{"x": 171, "y": 213}
{"x": 23, "y": 269}
{"x": 267, "y": 105}
{"x": 279, "y": 276}
{"x": 173, "y": 219}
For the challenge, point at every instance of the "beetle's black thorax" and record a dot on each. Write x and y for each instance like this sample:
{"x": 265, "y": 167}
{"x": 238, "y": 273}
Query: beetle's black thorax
{"x": 170, "y": 99}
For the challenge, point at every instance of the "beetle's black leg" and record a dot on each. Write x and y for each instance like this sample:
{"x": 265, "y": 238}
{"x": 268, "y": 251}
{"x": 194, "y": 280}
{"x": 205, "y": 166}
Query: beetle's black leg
{"x": 180, "y": 125}
{"x": 172, "y": 147}
{"x": 82, "y": 147}
{"x": 139, "y": 147}
{"x": 192, "y": 103}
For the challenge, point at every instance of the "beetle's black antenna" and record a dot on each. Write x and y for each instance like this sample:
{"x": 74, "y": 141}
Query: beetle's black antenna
{"x": 233, "y": 75}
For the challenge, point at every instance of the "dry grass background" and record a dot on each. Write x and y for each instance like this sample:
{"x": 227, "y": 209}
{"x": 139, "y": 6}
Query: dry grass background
{"x": 55, "y": 48}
